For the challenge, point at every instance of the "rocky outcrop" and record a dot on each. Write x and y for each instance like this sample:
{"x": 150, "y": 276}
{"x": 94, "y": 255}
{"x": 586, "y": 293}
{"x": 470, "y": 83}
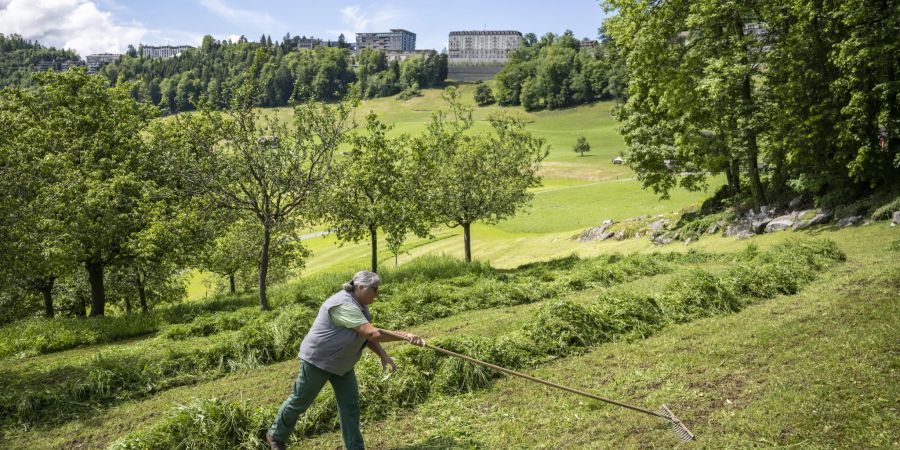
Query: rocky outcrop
{"x": 597, "y": 233}
{"x": 819, "y": 218}
{"x": 896, "y": 220}
{"x": 782, "y": 222}
{"x": 848, "y": 221}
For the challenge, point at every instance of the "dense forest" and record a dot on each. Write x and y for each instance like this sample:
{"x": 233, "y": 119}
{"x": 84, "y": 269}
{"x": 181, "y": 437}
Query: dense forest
{"x": 555, "y": 72}
{"x": 323, "y": 72}
{"x": 18, "y": 58}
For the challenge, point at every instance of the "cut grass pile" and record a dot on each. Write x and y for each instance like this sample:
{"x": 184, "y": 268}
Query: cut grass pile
{"x": 251, "y": 338}
{"x": 559, "y": 328}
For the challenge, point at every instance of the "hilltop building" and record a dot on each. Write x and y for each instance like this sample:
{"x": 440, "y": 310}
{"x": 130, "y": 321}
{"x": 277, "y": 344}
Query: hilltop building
{"x": 96, "y": 61}
{"x": 57, "y": 65}
{"x": 395, "y": 40}
{"x": 162, "y": 51}
{"x": 489, "y": 47}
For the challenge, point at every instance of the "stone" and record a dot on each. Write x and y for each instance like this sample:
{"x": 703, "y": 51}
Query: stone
{"x": 744, "y": 235}
{"x": 848, "y": 221}
{"x": 896, "y": 220}
{"x": 658, "y": 226}
{"x": 605, "y": 236}
{"x": 781, "y": 223}
{"x": 815, "y": 220}
{"x": 619, "y": 235}
{"x": 759, "y": 226}
{"x": 662, "y": 240}
{"x": 742, "y": 226}
{"x": 688, "y": 240}
{"x": 820, "y": 218}
{"x": 796, "y": 202}
{"x": 712, "y": 229}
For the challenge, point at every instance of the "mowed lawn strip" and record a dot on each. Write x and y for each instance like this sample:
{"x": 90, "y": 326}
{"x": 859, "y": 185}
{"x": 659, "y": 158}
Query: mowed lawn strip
{"x": 815, "y": 370}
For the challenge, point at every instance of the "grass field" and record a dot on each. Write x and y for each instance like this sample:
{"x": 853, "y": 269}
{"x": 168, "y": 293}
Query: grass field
{"x": 816, "y": 369}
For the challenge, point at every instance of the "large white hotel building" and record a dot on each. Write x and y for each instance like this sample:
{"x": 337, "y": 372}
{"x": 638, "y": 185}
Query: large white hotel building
{"x": 489, "y": 47}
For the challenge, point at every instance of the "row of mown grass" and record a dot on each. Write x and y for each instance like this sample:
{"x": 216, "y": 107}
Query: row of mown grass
{"x": 430, "y": 288}
{"x": 559, "y": 328}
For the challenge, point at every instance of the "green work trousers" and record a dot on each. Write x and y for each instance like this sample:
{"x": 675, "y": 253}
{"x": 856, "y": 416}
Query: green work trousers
{"x": 310, "y": 381}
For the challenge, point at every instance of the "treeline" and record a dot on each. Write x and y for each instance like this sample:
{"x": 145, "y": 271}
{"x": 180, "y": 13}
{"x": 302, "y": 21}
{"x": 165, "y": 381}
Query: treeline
{"x": 102, "y": 204}
{"x": 325, "y": 73}
{"x": 18, "y": 58}
{"x": 785, "y": 98}
{"x": 555, "y": 72}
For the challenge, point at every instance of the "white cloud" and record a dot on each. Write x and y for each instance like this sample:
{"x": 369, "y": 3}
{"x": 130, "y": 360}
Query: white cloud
{"x": 242, "y": 16}
{"x": 75, "y": 24}
{"x": 361, "y": 20}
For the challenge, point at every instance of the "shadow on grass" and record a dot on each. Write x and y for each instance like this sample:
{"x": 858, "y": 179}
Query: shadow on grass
{"x": 442, "y": 443}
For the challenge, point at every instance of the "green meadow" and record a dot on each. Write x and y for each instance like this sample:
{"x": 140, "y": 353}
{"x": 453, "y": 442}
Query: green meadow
{"x": 782, "y": 340}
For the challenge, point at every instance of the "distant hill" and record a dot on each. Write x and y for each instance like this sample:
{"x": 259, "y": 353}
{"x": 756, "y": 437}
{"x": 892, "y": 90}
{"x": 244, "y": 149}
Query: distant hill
{"x": 19, "y": 57}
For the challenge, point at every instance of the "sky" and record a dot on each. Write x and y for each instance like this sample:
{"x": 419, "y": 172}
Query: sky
{"x": 98, "y": 26}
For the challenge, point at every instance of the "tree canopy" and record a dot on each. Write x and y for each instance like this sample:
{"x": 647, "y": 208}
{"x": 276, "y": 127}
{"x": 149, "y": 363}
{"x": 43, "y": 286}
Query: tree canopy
{"x": 783, "y": 98}
{"x": 477, "y": 176}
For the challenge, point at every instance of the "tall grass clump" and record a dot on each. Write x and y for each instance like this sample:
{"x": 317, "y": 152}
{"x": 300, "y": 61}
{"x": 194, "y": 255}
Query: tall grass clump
{"x": 207, "y": 324}
{"x": 204, "y": 425}
{"x": 436, "y": 267}
{"x": 33, "y": 337}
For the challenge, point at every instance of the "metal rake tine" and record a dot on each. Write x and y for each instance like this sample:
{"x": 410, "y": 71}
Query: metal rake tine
{"x": 678, "y": 427}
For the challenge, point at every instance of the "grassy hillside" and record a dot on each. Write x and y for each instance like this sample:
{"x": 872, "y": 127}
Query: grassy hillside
{"x": 749, "y": 349}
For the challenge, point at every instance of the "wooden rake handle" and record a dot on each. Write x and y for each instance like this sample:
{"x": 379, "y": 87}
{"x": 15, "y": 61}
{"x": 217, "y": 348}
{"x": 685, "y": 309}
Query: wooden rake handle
{"x": 531, "y": 378}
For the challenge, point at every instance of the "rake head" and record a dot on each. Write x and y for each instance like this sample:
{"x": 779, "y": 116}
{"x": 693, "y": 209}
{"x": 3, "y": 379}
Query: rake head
{"x": 678, "y": 428}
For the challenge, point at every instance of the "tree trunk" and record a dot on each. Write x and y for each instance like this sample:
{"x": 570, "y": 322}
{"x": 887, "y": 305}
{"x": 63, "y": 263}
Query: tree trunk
{"x": 750, "y": 135}
{"x": 127, "y": 304}
{"x": 47, "y": 291}
{"x": 231, "y": 285}
{"x": 264, "y": 267}
{"x": 142, "y": 291}
{"x": 735, "y": 170}
{"x": 756, "y": 189}
{"x": 98, "y": 292}
{"x": 78, "y": 309}
{"x": 373, "y": 232}
{"x": 467, "y": 240}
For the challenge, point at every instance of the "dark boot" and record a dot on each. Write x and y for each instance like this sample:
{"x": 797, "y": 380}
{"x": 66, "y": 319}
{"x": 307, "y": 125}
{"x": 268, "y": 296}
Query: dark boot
{"x": 273, "y": 443}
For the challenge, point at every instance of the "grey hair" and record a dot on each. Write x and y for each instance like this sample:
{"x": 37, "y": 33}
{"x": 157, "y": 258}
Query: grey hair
{"x": 362, "y": 278}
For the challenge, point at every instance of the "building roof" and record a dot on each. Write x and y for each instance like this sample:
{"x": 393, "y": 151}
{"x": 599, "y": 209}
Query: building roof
{"x": 458, "y": 33}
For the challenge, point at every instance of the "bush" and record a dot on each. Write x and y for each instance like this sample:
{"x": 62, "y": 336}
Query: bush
{"x": 483, "y": 94}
